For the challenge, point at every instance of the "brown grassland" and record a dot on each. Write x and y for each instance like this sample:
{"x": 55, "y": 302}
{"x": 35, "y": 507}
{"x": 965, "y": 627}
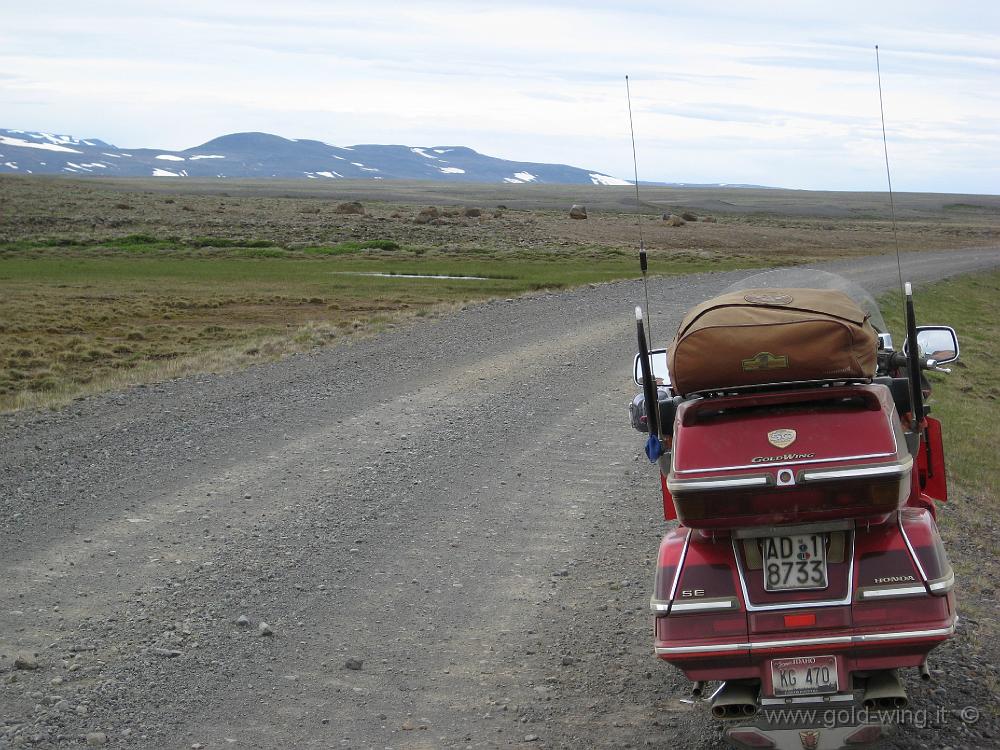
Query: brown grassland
{"x": 105, "y": 283}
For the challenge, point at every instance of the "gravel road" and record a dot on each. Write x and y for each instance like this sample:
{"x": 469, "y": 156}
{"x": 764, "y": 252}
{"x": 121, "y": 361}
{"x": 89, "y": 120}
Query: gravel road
{"x": 439, "y": 537}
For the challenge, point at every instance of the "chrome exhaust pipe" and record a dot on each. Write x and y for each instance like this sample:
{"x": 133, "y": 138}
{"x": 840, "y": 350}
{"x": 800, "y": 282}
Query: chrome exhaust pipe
{"x": 925, "y": 673}
{"x": 697, "y": 688}
{"x": 735, "y": 700}
{"x": 884, "y": 691}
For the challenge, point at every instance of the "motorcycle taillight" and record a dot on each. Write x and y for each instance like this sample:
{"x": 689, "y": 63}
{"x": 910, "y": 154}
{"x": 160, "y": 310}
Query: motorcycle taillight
{"x": 693, "y": 627}
{"x": 828, "y": 500}
{"x": 901, "y": 612}
{"x": 922, "y": 534}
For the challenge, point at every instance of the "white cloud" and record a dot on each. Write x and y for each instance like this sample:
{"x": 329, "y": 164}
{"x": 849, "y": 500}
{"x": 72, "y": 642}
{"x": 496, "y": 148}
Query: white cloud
{"x": 769, "y": 92}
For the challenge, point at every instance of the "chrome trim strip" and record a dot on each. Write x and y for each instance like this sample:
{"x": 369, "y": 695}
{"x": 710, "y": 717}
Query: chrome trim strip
{"x": 825, "y": 641}
{"x": 944, "y": 584}
{"x": 817, "y": 527}
{"x": 705, "y": 606}
{"x": 865, "y": 594}
{"x": 765, "y": 645}
{"x": 751, "y": 607}
{"x": 835, "y": 698}
{"x": 788, "y": 463}
{"x": 680, "y": 566}
{"x": 659, "y": 606}
{"x": 716, "y": 484}
{"x": 913, "y": 554}
{"x": 701, "y": 649}
{"x": 866, "y": 471}
{"x": 874, "y": 637}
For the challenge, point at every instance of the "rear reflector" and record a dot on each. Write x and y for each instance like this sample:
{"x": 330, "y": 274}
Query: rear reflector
{"x": 750, "y": 738}
{"x": 800, "y": 621}
{"x": 864, "y": 735}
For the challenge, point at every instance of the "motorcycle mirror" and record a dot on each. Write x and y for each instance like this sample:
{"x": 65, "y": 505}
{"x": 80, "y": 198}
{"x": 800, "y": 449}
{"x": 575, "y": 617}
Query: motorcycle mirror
{"x": 657, "y": 365}
{"x": 939, "y": 343}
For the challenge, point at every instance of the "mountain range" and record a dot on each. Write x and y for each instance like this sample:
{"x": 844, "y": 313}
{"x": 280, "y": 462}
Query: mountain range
{"x": 249, "y": 155}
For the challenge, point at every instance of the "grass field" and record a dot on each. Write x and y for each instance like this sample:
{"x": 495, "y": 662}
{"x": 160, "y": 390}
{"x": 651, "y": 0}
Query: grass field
{"x": 105, "y": 283}
{"x": 77, "y": 318}
{"x": 967, "y": 402}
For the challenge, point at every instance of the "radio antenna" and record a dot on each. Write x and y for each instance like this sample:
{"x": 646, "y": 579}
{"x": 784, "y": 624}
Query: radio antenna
{"x": 638, "y": 218}
{"x": 888, "y": 177}
{"x": 906, "y": 290}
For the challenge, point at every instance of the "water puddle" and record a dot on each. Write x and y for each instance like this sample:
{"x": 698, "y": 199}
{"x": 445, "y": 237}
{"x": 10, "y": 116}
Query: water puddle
{"x": 384, "y": 275}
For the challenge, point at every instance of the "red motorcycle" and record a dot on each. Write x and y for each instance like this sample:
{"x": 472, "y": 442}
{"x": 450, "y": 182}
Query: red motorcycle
{"x": 797, "y": 454}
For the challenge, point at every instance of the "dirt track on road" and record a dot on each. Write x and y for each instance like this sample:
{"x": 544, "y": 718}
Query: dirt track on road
{"x": 459, "y": 504}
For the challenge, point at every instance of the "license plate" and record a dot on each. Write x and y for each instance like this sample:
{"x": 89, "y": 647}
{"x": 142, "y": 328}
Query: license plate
{"x": 804, "y": 675}
{"x": 795, "y": 562}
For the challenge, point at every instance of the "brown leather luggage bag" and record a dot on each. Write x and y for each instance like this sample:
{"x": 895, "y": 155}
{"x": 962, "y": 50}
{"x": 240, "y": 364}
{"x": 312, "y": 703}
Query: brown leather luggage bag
{"x": 763, "y": 336}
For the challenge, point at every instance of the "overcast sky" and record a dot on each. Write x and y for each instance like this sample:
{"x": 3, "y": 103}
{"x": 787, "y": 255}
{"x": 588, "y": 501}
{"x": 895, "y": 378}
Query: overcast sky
{"x": 773, "y": 93}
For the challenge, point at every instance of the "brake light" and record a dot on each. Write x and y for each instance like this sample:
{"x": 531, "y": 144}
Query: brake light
{"x": 925, "y": 609}
{"x": 800, "y": 621}
{"x": 695, "y": 627}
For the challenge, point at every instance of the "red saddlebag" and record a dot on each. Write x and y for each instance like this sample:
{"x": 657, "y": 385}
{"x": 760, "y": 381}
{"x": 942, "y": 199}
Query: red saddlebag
{"x": 761, "y": 336}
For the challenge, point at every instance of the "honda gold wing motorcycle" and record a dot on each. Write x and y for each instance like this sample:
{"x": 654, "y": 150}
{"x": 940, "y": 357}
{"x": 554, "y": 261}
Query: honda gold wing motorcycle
{"x": 796, "y": 453}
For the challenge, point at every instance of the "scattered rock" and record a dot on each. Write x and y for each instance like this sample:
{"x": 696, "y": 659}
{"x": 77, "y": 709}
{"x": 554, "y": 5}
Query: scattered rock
{"x": 427, "y": 215}
{"x": 531, "y": 738}
{"x": 673, "y": 220}
{"x": 688, "y": 216}
{"x": 25, "y": 661}
{"x": 709, "y": 220}
{"x": 578, "y": 212}
{"x": 351, "y": 207}
{"x": 96, "y": 739}
{"x": 472, "y": 212}
{"x": 264, "y": 629}
{"x": 354, "y": 663}
{"x": 408, "y": 725}
{"x": 243, "y": 621}
{"x": 166, "y": 653}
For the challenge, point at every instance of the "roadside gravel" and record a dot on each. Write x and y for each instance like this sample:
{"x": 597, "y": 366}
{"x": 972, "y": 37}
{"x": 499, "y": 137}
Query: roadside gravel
{"x": 439, "y": 537}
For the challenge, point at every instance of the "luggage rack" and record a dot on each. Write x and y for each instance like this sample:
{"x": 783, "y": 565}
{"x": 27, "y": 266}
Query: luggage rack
{"x": 772, "y": 387}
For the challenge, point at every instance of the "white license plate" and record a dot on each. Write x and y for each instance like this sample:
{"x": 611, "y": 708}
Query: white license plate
{"x": 795, "y": 562}
{"x": 804, "y": 675}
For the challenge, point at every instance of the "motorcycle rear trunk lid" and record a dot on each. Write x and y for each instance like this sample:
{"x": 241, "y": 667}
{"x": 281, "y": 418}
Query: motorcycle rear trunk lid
{"x": 789, "y": 457}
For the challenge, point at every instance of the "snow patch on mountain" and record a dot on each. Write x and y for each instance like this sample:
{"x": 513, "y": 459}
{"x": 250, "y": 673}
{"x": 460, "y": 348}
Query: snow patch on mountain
{"x": 451, "y": 170}
{"x": 603, "y": 179}
{"x": 422, "y": 153}
{"x": 525, "y": 176}
{"x": 158, "y": 172}
{"x": 205, "y": 156}
{"x": 8, "y": 141}
{"x": 170, "y": 157}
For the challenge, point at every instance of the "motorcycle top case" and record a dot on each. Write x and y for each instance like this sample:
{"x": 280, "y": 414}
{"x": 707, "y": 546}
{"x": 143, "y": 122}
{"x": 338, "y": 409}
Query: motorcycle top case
{"x": 786, "y": 457}
{"x": 764, "y": 336}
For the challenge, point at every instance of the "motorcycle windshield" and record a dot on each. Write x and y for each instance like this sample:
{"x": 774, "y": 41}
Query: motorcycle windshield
{"x": 811, "y": 278}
